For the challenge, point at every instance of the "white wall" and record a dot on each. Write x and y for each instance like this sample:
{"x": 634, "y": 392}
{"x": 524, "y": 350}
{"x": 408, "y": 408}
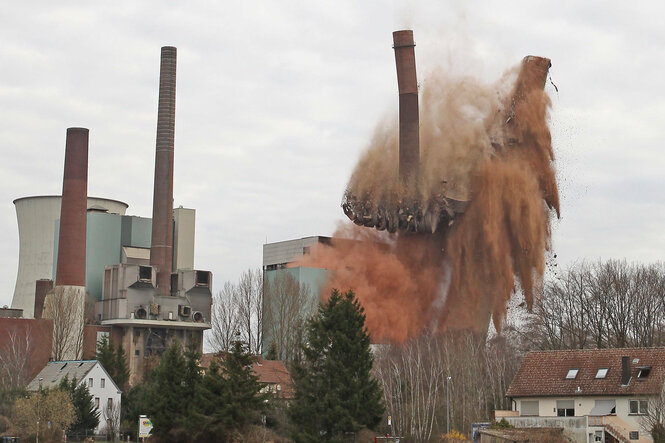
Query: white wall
{"x": 97, "y": 373}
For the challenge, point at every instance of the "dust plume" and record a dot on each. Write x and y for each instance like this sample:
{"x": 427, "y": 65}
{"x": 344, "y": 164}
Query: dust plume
{"x": 485, "y": 147}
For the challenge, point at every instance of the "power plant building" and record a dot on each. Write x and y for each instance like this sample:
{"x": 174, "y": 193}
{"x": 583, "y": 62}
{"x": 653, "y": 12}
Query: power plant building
{"x": 281, "y": 259}
{"x": 130, "y": 278}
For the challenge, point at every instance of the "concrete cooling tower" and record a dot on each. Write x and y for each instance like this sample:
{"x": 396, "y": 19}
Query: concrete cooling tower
{"x": 37, "y": 218}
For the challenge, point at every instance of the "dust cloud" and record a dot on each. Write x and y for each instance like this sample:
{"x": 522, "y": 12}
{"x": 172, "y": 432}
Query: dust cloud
{"x": 487, "y": 146}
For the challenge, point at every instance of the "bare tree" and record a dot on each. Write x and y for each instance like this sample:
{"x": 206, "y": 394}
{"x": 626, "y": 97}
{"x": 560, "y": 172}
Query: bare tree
{"x": 416, "y": 375}
{"x": 250, "y": 300}
{"x": 286, "y": 306}
{"x": 412, "y": 376}
{"x": 111, "y": 416}
{"x": 604, "y": 304}
{"x": 225, "y": 318}
{"x": 14, "y": 358}
{"x": 65, "y": 305}
{"x": 238, "y": 313}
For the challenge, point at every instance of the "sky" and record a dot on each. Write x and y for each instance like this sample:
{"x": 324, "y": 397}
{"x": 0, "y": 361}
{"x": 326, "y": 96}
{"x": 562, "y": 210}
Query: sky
{"x": 276, "y": 101}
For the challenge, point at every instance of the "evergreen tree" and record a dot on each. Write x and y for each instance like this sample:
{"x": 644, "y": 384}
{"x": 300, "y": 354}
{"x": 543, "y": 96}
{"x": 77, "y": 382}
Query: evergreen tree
{"x": 165, "y": 399}
{"x": 120, "y": 368}
{"x": 335, "y": 393}
{"x": 86, "y": 413}
{"x": 106, "y": 355}
{"x": 114, "y": 361}
{"x": 229, "y": 397}
{"x": 272, "y": 352}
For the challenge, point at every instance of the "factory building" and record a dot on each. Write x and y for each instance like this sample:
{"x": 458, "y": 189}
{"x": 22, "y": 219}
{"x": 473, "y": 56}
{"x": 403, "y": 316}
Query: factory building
{"x": 282, "y": 258}
{"x": 130, "y": 278}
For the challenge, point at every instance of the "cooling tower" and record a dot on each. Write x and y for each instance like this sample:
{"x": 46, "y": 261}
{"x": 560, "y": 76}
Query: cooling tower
{"x": 36, "y": 217}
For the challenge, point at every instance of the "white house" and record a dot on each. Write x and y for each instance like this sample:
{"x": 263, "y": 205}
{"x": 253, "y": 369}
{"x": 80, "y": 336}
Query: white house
{"x": 105, "y": 393}
{"x": 596, "y": 395}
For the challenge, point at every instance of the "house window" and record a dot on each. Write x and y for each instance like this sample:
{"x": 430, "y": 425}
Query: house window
{"x": 643, "y": 372}
{"x": 602, "y": 373}
{"x": 639, "y": 407}
{"x": 109, "y": 405}
{"x": 102, "y": 383}
{"x": 97, "y": 402}
{"x": 572, "y": 373}
{"x": 634, "y": 435}
{"x": 90, "y": 382}
{"x": 565, "y": 408}
{"x": 529, "y": 408}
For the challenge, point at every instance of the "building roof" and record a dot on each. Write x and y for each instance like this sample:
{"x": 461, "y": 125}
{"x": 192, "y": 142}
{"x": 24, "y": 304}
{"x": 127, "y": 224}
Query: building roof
{"x": 269, "y": 372}
{"x": 543, "y": 373}
{"x": 55, "y": 371}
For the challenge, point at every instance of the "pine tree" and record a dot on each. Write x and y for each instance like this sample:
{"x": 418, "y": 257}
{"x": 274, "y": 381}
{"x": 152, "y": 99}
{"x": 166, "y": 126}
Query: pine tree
{"x": 335, "y": 393}
{"x": 106, "y": 355}
{"x": 166, "y": 395}
{"x": 86, "y": 413}
{"x": 114, "y": 360}
{"x": 120, "y": 368}
{"x": 229, "y": 398}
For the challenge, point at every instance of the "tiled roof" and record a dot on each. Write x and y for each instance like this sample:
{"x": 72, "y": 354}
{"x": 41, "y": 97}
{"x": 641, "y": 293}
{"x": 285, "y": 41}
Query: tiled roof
{"x": 543, "y": 373}
{"x": 270, "y": 372}
{"x": 55, "y": 371}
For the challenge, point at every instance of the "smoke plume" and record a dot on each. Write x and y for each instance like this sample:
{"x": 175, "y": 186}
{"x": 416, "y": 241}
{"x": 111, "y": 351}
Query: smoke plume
{"x": 487, "y": 146}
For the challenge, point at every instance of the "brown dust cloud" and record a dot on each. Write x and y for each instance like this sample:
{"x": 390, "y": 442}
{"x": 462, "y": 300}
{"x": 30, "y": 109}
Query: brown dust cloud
{"x": 485, "y": 144}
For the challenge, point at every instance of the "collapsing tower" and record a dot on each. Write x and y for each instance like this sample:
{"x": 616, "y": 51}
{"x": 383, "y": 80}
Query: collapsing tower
{"x": 406, "y": 208}
{"x": 406, "y": 211}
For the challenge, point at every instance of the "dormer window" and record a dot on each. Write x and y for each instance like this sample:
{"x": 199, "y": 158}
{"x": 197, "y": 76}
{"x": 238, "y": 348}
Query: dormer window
{"x": 572, "y": 373}
{"x": 643, "y": 372}
{"x": 602, "y": 373}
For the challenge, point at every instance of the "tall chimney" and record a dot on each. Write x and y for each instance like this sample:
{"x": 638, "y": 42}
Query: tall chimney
{"x": 162, "y": 203}
{"x": 70, "y": 270}
{"x": 625, "y": 370}
{"x": 409, "y": 138}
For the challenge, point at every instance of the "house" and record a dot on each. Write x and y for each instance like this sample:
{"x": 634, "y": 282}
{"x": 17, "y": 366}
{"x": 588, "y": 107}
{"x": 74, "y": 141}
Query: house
{"x": 595, "y": 395}
{"x": 271, "y": 373}
{"x": 105, "y": 393}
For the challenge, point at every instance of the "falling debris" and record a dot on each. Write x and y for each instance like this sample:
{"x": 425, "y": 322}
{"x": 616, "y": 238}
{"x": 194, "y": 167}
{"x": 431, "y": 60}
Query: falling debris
{"x": 445, "y": 244}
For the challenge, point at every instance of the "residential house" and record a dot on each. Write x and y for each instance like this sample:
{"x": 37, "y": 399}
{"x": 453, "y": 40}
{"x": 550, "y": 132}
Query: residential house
{"x": 271, "y": 373}
{"x": 596, "y": 395}
{"x": 105, "y": 393}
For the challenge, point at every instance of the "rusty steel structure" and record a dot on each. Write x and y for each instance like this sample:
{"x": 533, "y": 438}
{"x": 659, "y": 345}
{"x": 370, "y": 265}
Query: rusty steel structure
{"x": 162, "y": 206}
{"x": 70, "y": 270}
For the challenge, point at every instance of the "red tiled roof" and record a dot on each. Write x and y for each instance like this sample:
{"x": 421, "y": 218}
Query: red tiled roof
{"x": 270, "y": 372}
{"x": 543, "y": 373}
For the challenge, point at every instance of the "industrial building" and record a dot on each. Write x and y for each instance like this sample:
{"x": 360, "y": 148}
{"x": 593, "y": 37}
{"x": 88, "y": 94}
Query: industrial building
{"x": 128, "y": 277}
{"x": 282, "y": 258}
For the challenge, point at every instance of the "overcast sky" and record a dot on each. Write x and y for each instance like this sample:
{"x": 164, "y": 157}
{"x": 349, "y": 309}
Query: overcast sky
{"x": 277, "y": 100}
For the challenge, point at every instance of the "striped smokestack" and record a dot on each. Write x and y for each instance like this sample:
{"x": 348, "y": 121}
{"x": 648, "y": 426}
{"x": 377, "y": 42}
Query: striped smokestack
{"x": 409, "y": 139}
{"x": 70, "y": 270}
{"x": 162, "y": 203}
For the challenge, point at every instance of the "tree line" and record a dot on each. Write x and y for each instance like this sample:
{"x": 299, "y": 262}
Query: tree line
{"x": 604, "y": 304}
